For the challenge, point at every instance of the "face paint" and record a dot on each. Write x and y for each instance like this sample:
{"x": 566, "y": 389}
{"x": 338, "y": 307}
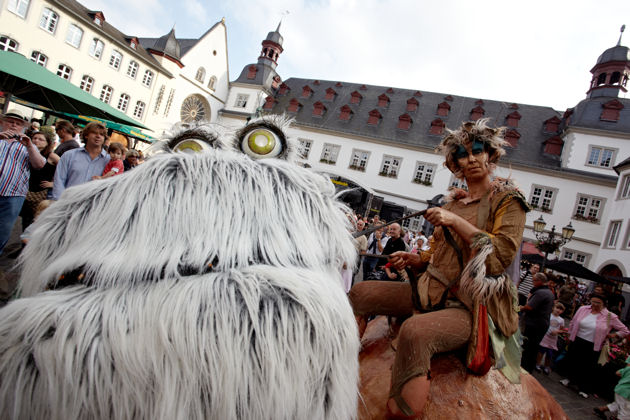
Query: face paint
{"x": 476, "y": 149}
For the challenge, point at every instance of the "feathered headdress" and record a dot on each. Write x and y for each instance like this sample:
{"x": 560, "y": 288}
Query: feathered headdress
{"x": 468, "y": 132}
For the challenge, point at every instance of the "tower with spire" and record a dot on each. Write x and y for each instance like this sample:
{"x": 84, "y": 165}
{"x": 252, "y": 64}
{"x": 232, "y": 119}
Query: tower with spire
{"x": 257, "y": 80}
{"x": 611, "y": 72}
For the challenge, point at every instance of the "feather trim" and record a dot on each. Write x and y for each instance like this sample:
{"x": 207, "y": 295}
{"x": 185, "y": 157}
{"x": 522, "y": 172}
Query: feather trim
{"x": 473, "y": 280}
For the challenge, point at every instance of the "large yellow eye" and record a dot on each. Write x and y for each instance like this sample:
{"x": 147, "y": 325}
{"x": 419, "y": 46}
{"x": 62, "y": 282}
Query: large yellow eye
{"x": 262, "y": 143}
{"x": 191, "y": 146}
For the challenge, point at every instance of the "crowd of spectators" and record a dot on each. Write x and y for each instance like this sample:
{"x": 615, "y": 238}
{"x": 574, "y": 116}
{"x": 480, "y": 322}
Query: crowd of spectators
{"x": 38, "y": 163}
{"x": 585, "y": 340}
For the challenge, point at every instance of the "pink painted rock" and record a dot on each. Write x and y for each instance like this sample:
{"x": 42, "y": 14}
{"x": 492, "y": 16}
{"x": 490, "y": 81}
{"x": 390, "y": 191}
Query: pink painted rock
{"x": 454, "y": 394}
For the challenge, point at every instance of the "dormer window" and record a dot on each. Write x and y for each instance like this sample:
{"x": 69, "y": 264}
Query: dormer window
{"x": 437, "y": 127}
{"x": 443, "y": 109}
{"x": 404, "y": 122}
{"x": 611, "y": 111}
{"x": 476, "y": 113}
{"x": 330, "y": 94}
{"x": 512, "y": 136}
{"x": 251, "y": 72}
{"x": 390, "y": 90}
{"x": 514, "y": 106}
{"x": 284, "y": 88}
{"x": 513, "y": 119}
{"x": 270, "y": 102}
{"x": 552, "y": 124}
{"x": 346, "y": 113}
{"x": 133, "y": 42}
{"x": 479, "y": 102}
{"x": 448, "y": 98}
{"x": 97, "y": 20}
{"x": 307, "y": 91}
{"x": 363, "y": 87}
{"x": 412, "y": 104}
{"x": 418, "y": 94}
{"x": 316, "y": 82}
{"x": 553, "y": 145}
{"x": 383, "y": 101}
{"x": 355, "y": 97}
{"x": 374, "y": 117}
{"x": 338, "y": 84}
{"x": 275, "y": 82}
{"x": 294, "y": 105}
{"x": 319, "y": 109}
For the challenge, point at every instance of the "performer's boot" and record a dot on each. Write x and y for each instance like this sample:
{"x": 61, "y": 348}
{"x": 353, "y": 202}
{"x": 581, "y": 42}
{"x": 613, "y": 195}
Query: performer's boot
{"x": 409, "y": 403}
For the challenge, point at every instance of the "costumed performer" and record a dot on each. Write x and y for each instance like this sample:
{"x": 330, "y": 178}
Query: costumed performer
{"x": 476, "y": 238}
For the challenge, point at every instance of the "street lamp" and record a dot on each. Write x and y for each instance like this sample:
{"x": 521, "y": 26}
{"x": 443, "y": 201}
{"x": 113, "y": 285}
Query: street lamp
{"x": 547, "y": 242}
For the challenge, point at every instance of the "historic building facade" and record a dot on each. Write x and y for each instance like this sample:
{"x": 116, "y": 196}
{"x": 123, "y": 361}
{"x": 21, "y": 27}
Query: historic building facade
{"x": 382, "y": 138}
{"x": 157, "y": 81}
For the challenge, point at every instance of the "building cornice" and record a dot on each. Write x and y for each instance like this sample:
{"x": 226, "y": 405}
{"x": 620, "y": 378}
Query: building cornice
{"x": 596, "y": 132}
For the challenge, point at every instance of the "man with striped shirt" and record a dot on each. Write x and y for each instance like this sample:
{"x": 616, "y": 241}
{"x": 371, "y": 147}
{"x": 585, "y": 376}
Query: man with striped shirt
{"x": 17, "y": 155}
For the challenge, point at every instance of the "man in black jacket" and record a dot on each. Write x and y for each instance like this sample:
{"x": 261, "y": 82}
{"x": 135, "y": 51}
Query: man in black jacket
{"x": 536, "y": 319}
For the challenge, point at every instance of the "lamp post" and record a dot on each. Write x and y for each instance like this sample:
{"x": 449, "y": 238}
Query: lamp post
{"x": 547, "y": 242}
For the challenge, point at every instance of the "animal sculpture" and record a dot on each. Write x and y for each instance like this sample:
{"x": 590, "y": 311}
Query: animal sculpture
{"x": 198, "y": 285}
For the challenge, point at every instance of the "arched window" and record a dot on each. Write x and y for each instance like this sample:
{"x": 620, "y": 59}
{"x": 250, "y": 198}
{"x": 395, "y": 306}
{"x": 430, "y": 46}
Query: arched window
{"x": 147, "y": 78}
{"x": 195, "y": 108}
{"x": 212, "y": 83}
{"x": 601, "y": 79}
{"x": 96, "y": 48}
{"x": 8, "y": 44}
{"x": 201, "y": 74}
{"x": 39, "y": 58}
{"x": 132, "y": 70}
{"x": 87, "y": 83}
{"x": 106, "y": 94}
{"x": 615, "y": 78}
{"x": 123, "y": 102}
{"x": 48, "y": 21}
{"x": 74, "y": 35}
{"x": 138, "y": 112}
{"x": 115, "y": 59}
{"x": 64, "y": 71}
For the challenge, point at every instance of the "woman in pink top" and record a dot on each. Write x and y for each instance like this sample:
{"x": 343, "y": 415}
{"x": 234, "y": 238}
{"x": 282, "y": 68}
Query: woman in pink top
{"x": 589, "y": 327}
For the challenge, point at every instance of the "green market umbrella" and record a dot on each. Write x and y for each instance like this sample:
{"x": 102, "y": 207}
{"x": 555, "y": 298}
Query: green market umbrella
{"x": 121, "y": 128}
{"x": 31, "y": 82}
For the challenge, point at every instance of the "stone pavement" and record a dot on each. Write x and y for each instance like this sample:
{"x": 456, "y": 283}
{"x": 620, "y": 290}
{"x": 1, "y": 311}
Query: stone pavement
{"x": 576, "y": 407}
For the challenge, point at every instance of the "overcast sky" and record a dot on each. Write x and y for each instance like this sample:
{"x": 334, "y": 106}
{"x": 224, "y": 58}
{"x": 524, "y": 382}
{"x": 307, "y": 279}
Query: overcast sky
{"x": 531, "y": 52}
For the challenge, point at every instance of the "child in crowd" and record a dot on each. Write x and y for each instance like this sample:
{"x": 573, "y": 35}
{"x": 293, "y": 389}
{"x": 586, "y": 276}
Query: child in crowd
{"x": 621, "y": 407}
{"x": 549, "y": 343}
{"x": 115, "y": 164}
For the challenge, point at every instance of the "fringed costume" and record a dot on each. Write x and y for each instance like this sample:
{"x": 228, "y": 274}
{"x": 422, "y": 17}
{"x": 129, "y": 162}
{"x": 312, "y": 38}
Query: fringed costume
{"x": 194, "y": 287}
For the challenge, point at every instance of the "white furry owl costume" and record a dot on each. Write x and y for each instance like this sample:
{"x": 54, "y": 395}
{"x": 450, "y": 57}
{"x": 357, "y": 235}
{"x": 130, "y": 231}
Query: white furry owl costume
{"x": 197, "y": 286}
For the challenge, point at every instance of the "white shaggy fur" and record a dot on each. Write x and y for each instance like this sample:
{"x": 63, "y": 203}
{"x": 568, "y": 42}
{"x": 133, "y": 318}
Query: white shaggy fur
{"x": 268, "y": 334}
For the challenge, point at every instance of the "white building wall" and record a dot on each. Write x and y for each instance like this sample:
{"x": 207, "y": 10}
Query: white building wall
{"x": 403, "y": 191}
{"x": 620, "y": 211}
{"x": 575, "y": 153}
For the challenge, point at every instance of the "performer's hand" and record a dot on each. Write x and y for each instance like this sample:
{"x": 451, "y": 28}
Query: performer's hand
{"x": 438, "y": 216}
